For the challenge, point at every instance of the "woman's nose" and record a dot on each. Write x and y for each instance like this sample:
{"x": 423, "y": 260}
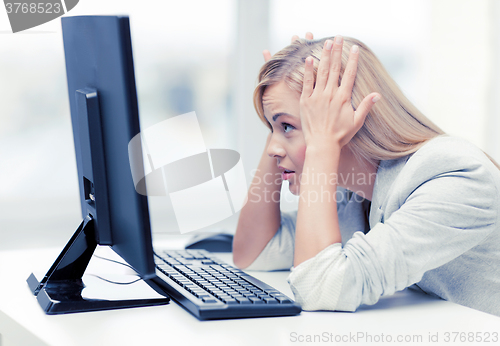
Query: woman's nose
{"x": 275, "y": 149}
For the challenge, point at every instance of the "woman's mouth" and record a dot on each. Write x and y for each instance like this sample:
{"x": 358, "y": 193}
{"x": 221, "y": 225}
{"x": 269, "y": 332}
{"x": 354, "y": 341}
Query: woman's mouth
{"x": 286, "y": 174}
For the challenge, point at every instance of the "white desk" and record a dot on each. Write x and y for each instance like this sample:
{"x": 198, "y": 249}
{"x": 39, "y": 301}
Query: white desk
{"x": 406, "y": 314}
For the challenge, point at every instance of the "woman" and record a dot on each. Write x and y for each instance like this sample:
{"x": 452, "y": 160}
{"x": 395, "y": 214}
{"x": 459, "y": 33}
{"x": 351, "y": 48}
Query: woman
{"x": 387, "y": 200}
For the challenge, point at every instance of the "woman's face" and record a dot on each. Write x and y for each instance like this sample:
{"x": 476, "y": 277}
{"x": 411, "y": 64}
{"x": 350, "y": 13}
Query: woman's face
{"x": 287, "y": 144}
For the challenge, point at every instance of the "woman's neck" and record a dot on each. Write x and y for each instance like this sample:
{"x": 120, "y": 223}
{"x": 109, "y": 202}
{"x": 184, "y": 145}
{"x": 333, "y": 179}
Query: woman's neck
{"x": 358, "y": 177}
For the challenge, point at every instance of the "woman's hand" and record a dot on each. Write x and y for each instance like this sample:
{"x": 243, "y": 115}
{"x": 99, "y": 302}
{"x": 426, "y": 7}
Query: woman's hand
{"x": 326, "y": 112}
{"x": 267, "y": 54}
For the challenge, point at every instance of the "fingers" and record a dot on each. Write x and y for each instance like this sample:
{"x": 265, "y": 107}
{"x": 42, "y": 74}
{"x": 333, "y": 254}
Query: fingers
{"x": 307, "y": 87}
{"x": 364, "y": 108}
{"x": 324, "y": 66}
{"x": 335, "y": 64}
{"x": 350, "y": 71}
{"x": 309, "y": 36}
{"x": 266, "y": 54}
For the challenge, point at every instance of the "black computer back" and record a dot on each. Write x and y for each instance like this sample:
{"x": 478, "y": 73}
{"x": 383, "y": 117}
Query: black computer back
{"x": 98, "y": 55}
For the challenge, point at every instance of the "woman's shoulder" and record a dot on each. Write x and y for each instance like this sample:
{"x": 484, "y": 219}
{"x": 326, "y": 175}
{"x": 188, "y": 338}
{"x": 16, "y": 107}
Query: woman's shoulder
{"x": 447, "y": 153}
{"x": 453, "y": 158}
{"x": 446, "y": 170}
{"x": 450, "y": 146}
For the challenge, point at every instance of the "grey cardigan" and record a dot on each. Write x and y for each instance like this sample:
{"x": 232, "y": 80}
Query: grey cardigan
{"x": 432, "y": 224}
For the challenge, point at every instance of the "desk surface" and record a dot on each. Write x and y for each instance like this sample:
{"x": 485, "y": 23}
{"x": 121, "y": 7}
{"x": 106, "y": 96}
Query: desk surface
{"x": 406, "y": 314}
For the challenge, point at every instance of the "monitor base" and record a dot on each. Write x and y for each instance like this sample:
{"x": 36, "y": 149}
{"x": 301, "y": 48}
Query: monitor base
{"x": 60, "y": 290}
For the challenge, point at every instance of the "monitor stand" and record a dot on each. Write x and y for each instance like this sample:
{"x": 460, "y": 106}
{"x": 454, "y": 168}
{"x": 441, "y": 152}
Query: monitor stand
{"x": 60, "y": 290}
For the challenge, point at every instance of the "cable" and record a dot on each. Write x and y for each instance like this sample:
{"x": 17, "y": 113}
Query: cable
{"x": 115, "y": 282}
{"x": 111, "y": 260}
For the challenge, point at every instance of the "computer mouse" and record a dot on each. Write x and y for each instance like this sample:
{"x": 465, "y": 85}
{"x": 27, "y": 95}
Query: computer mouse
{"x": 218, "y": 242}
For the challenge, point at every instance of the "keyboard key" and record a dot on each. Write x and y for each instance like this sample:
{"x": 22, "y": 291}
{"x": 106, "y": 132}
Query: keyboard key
{"x": 273, "y": 292}
{"x": 255, "y": 300}
{"x": 230, "y": 301}
{"x": 256, "y": 282}
{"x": 198, "y": 290}
{"x": 209, "y": 300}
{"x": 217, "y": 267}
{"x": 270, "y": 301}
{"x": 199, "y": 257}
{"x": 283, "y": 299}
{"x": 242, "y": 300}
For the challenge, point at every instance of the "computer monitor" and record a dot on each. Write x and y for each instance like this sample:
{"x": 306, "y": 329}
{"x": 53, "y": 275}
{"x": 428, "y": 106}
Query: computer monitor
{"x": 104, "y": 116}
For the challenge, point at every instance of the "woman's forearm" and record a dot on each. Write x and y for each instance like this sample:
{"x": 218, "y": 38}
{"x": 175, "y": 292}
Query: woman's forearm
{"x": 260, "y": 217}
{"x": 317, "y": 219}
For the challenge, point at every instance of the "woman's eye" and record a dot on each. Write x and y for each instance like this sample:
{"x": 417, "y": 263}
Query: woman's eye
{"x": 287, "y": 127}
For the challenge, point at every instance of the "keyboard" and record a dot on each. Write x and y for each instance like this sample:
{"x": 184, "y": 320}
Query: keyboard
{"x": 212, "y": 289}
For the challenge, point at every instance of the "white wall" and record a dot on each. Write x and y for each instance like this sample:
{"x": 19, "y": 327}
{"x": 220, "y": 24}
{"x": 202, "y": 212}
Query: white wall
{"x": 458, "y": 67}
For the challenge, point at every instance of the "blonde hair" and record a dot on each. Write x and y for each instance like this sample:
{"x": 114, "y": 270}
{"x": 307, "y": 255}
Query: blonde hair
{"x": 394, "y": 127}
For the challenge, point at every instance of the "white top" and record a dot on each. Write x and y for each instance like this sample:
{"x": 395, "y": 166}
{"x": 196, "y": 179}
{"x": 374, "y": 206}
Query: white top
{"x": 433, "y": 223}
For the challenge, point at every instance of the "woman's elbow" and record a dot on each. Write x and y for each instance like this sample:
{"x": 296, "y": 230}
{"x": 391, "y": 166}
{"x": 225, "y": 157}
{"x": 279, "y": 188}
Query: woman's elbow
{"x": 241, "y": 258}
{"x": 313, "y": 302}
{"x": 240, "y": 261}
